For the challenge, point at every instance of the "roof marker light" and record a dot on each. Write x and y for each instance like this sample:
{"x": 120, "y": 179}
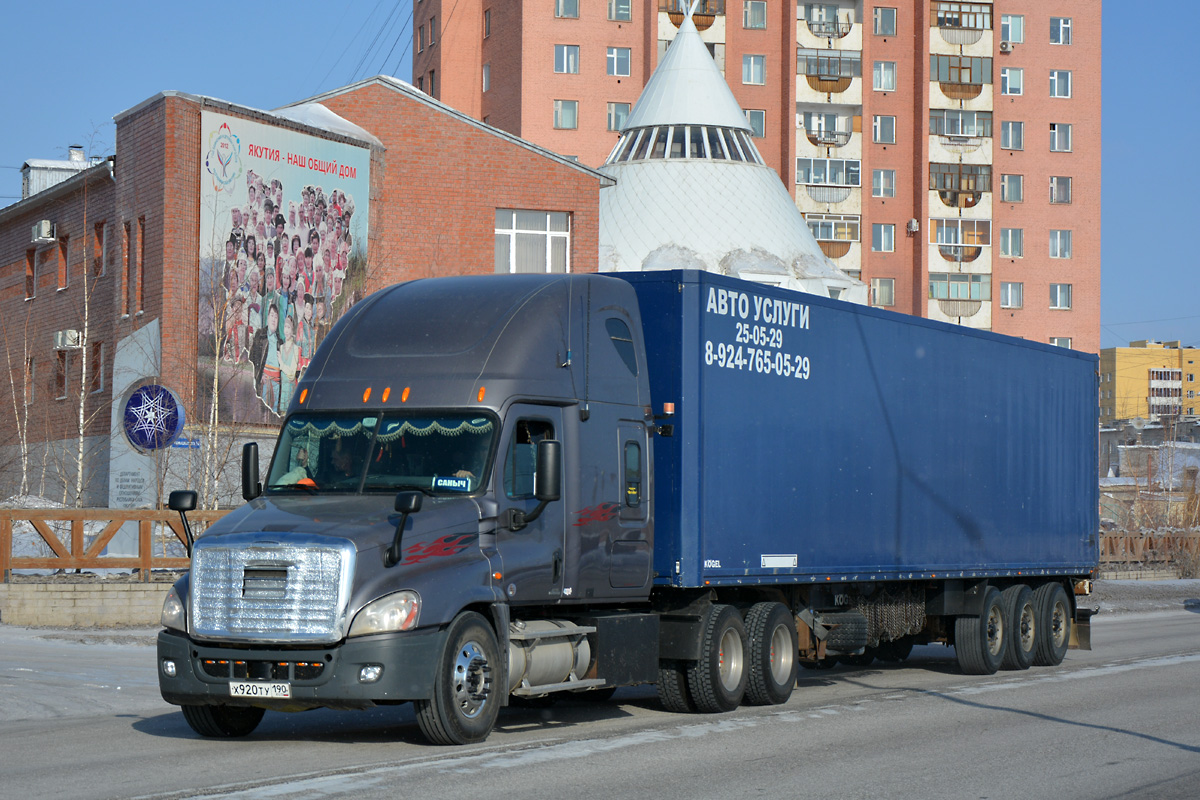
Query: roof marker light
{"x": 367, "y": 394}
{"x": 303, "y": 395}
{"x": 482, "y": 391}
{"x": 404, "y": 395}
{"x": 387, "y": 392}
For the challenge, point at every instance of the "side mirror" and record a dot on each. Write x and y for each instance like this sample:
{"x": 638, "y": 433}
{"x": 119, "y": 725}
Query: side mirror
{"x": 251, "y": 488}
{"x": 182, "y": 500}
{"x": 548, "y": 479}
{"x": 408, "y": 502}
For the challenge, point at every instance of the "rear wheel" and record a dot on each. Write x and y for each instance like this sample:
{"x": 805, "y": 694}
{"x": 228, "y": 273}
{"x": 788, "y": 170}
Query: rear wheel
{"x": 465, "y": 701}
{"x": 1054, "y": 624}
{"x": 979, "y": 640}
{"x": 222, "y": 721}
{"x": 773, "y": 646}
{"x": 1021, "y": 615}
{"x": 896, "y": 650}
{"x": 717, "y": 681}
{"x": 673, "y": 689}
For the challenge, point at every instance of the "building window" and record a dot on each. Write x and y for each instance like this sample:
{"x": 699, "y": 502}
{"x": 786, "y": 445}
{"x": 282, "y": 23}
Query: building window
{"x": 1060, "y": 189}
{"x": 883, "y": 76}
{"x": 618, "y": 61}
{"x": 757, "y": 118}
{"x": 828, "y": 65}
{"x": 883, "y": 291}
{"x": 884, "y": 129}
{"x": 566, "y": 58}
{"x": 754, "y": 69}
{"x": 1060, "y": 83}
{"x": 963, "y": 70}
{"x": 1012, "y": 188}
{"x": 487, "y": 22}
{"x": 828, "y": 172}
{"x": 958, "y": 231}
{"x": 617, "y": 114}
{"x": 30, "y": 274}
{"x": 883, "y": 183}
{"x": 432, "y": 31}
{"x": 884, "y": 21}
{"x": 99, "y": 250}
{"x": 487, "y": 77}
{"x": 1012, "y": 135}
{"x": 433, "y": 84}
{"x": 1012, "y": 295}
{"x": 1012, "y": 242}
{"x": 140, "y": 288}
{"x": 127, "y": 252}
{"x": 1060, "y": 137}
{"x": 972, "y": 16}
{"x": 958, "y": 122}
{"x": 1061, "y": 341}
{"x": 957, "y": 177}
{"x": 421, "y": 39}
{"x": 64, "y": 269}
{"x": 62, "y": 368}
{"x": 959, "y": 286}
{"x": 620, "y": 10}
{"x": 566, "y": 114}
{"x": 1060, "y": 30}
{"x": 96, "y": 365}
{"x": 1060, "y": 295}
{"x": 834, "y": 227}
{"x": 1012, "y": 28}
{"x": 533, "y": 241}
{"x": 883, "y": 238}
{"x": 754, "y": 14}
{"x": 1060, "y": 244}
{"x": 1011, "y": 80}
{"x": 566, "y": 8}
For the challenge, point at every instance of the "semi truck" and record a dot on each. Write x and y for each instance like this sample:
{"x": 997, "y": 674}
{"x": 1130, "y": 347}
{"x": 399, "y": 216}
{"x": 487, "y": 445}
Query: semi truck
{"x": 500, "y": 487}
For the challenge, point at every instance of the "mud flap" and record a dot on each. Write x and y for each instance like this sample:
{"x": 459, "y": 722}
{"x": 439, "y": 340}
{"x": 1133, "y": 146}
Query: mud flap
{"x": 1081, "y": 631}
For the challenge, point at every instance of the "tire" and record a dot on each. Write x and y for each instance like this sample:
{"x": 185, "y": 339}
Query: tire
{"x": 1021, "y": 615}
{"x": 717, "y": 682}
{"x": 979, "y": 641}
{"x": 1054, "y": 624}
{"x": 848, "y": 631}
{"x": 829, "y": 662}
{"x": 895, "y": 651}
{"x": 224, "y": 722}
{"x": 465, "y": 699}
{"x": 864, "y": 659}
{"x": 773, "y": 647}
{"x": 672, "y": 688}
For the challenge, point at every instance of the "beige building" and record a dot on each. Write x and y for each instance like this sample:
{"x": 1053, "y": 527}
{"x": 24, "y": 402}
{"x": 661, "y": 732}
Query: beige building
{"x": 1149, "y": 380}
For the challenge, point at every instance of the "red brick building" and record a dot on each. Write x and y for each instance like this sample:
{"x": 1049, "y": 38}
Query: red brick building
{"x": 107, "y": 267}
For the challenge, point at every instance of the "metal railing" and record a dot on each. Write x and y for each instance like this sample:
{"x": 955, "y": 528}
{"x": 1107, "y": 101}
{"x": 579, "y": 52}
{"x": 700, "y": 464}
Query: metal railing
{"x": 77, "y": 539}
{"x": 706, "y": 7}
{"x": 829, "y": 29}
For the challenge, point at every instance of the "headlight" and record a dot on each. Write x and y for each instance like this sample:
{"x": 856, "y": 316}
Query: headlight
{"x": 395, "y": 612}
{"x": 174, "y": 613}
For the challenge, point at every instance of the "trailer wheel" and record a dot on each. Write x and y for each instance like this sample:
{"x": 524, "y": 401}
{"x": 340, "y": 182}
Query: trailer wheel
{"x": 673, "y": 689}
{"x": 864, "y": 659}
{"x": 1054, "y": 624}
{"x": 1021, "y": 616}
{"x": 225, "y": 722}
{"x": 717, "y": 681}
{"x": 465, "y": 704}
{"x": 895, "y": 651}
{"x": 979, "y": 641}
{"x": 774, "y": 648}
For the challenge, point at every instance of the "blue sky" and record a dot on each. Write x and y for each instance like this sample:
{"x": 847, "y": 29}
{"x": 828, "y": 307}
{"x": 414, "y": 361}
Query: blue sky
{"x": 71, "y": 69}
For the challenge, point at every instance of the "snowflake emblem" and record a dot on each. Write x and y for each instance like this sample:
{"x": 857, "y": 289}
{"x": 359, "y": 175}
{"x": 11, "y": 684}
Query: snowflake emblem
{"x": 153, "y": 418}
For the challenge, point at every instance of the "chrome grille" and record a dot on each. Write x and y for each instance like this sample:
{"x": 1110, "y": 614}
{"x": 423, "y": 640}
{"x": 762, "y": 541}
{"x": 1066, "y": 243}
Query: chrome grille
{"x": 256, "y": 587}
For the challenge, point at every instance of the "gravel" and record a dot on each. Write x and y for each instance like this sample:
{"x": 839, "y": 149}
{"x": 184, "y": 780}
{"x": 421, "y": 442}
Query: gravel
{"x": 1136, "y": 597}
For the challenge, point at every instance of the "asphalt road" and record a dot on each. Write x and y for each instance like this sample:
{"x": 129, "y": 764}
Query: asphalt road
{"x": 80, "y": 717}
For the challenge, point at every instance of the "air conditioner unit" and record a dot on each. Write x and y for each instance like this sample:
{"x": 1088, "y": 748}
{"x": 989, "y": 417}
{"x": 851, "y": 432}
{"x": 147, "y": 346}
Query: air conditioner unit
{"x": 66, "y": 340}
{"x": 913, "y": 226}
{"x": 1005, "y": 47}
{"x": 43, "y": 232}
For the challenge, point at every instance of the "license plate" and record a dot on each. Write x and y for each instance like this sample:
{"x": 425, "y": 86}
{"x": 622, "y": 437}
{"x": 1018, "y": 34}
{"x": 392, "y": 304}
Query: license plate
{"x": 260, "y": 689}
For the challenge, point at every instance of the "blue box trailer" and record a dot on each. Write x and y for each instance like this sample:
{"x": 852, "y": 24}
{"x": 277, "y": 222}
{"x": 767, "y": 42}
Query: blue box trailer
{"x": 819, "y": 441}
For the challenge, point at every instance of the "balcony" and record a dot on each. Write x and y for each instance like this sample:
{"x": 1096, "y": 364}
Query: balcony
{"x": 829, "y": 71}
{"x": 960, "y": 254}
{"x": 706, "y": 12}
{"x": 828, "y": 138}
{"x": 829, "y": 29}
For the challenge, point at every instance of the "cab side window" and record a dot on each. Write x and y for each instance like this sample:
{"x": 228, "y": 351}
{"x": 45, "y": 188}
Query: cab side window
{"x": 520, "y": 462}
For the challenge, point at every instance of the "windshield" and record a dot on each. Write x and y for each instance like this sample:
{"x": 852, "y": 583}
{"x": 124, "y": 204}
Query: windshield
{"x": 448, "y": 453}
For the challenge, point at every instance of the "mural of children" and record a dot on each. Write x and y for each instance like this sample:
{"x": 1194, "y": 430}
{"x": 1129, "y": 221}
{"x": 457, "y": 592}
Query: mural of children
{"x": 289, "y": 363}
{"x": 270, "y": 369}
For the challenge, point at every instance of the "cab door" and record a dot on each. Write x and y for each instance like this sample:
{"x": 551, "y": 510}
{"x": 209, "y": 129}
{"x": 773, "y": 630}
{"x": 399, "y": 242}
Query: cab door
{"x": 533, "y": 556}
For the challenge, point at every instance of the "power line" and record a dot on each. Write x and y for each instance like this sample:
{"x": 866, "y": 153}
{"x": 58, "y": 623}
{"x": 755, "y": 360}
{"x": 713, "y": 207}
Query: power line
{"x": 349, "y": 44}
{"x": 387, "y": 26}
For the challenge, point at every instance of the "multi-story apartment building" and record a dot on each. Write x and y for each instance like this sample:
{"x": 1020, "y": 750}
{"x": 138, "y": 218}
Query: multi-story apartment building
{"x": 1148, "y": 380}
{"x": 947, "y": 153}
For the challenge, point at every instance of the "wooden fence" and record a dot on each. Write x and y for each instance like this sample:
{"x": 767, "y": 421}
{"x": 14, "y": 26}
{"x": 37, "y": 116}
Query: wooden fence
{"x": 1145, "y": 549}
{"x": 77, "y": 538}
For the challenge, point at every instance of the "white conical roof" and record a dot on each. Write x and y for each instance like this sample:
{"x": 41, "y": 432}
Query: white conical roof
{"x": 687, "y": 88}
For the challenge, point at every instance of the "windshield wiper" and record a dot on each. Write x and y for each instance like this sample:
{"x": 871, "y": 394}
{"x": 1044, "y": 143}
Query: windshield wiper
{"x": 311, "y": 488}
{"x": 401, "y": 487}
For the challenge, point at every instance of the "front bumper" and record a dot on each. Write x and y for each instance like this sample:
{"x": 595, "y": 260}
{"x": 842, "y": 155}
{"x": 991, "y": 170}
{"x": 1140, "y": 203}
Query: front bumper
{"x": 203, "y": 671}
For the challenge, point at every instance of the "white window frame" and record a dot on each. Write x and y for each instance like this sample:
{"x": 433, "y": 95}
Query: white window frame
{"x": 840, "y": 227}
{"x": 883, "y": 237}
{"x": 754, "y": 69}
{"x": 487, "y": 76}
{"x": 566, "y": 9}
{"x": 620, "y": 10}
{"x": 1060, "y": 30}
{"x": 754, "y": 15}
{"x": 883, "y": 76}
{"x": 1012, "y": 294}
{"x": 1060, "y": 187}
{"x": 1012, "y": 188}
{"x": 1012, "y": 81}
{"x": 566, "y": 59}
{"x": 1060, "y": 296}
{"x": 613, "y": 123}
{"x": 851, "y": 170}
{"x": 881, "y": 128}
{"x": 556, "y": 241}
{"x": 1060, "y": 137}
{"x": 880, "y": 21}
{"x": 1012, "y": 242}
{"x": 615, "y": 65}
{"x": 487, "y": 22}
{"x": 1060, "y": 83}
{"x": 1061, "y": 341}
{"x": 1012, "y": 28}
{"x": 757, "y": 117}
{"x": 560, "y": 110}
{"x": 883, "y": 183}
{"x": 1007, "y": 131}
{"x": 883, "y": 292}
{"x": 1061, "y": 244}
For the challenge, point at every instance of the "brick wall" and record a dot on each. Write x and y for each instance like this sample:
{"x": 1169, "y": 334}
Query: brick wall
{"x": 84, "y": 605}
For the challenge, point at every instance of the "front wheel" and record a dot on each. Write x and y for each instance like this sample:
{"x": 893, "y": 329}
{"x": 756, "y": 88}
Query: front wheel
{"x": 465, "y": 702}
{"x": 225, "y": 722}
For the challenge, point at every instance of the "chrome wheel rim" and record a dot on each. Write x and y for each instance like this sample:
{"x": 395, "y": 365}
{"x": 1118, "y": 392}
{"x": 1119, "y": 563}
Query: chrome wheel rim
{"x": 472, "y": 680}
